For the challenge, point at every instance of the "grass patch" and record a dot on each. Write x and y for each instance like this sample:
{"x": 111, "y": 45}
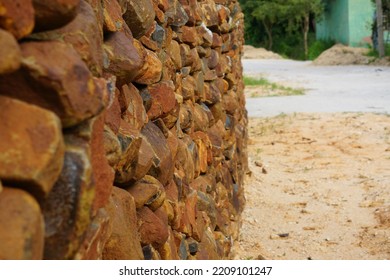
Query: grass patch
{"x": 261, "y": 87}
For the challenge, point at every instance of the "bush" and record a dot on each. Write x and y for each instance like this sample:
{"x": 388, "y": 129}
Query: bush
{"x": 318, "y": 47}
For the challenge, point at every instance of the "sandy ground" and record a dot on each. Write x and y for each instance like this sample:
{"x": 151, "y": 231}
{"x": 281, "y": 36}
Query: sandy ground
{"x": 319, "y": 188}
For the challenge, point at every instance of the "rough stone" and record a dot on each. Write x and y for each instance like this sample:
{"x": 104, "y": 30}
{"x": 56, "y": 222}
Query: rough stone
{"x": 17, "y": 17}
{"x": 146, "y": 191}
{"x": 169, "y": 250}
{"x": 112, "y": 116}
{"x": 10, "y": 54}
{"x": 51, "y": 14}
{"x": 31, "y": 146}
{"x": 123, "y": 59}
{"x": 124, "y": 242}
{"x": 163, "y": 99}
{"x": 151, "y": 70}
{"x": 176, "y": 14}
{"x": 139, "y": 16}
{"x": 54, "y": 77}
{"x": 162, "y": 167}
{"x": 112, "y": 146}
{"x": 112, "y": 13}
{"x": 22, "y": 227}
{"x": 152, "y": 230}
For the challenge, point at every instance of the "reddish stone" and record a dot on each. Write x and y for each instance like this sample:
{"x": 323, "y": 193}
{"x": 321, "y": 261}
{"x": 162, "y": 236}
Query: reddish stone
{"x": 204, "y": 147}
{"x": 112, "y": 14}
{"x": 172, "y": 191}
{"x": 176, "y": 14}
{"x": 146, "y": 191}
{"x": 133, "y": 111}
{"x": 149, "y": 43}
{"x": 188, "y": 88}
{"x": 124, "y": 242}
{"x": 103, "y": 173}
{"x": 185, "y": 162}
{"x": 17, "y": 17}
{"x": 213, "y": 60}
{"x": 22, "y": 227}
{"x": 124, "y": 59}
{"x": 173, "y": 51}
{"x": 152, "y": 230}
{"x": 230, "y": 102}
{"x": 190, "y": 36}
{"x": 52, "y": 14}
{"x": 31, "y": 146}
{"x": 162, "y": 168}
{"x": 186, "y": 116}
{"x": 139, "y": 16}
{"x": 201, "y": 118}
{"x": 151, "y": 70}
{"x": 185, "y": 53}
{"x": 210, "y": 13}
{"x": 54, "y": 77}
{"x": 95, "y": 238}
{"x": 208, "y": 247}
{"x": 112, "y": 116}
{"x": 199, "y": 89}
{"x": 163, "y": 99}
{"x": 83, "y": 33}
{"x": 10, "y": 54}
{"x": 217, "y": 41}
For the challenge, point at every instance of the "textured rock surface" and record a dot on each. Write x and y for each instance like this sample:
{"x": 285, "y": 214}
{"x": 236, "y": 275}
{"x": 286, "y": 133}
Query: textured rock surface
{"x": 125, "y": 120}
{"x": 22, "y": 228}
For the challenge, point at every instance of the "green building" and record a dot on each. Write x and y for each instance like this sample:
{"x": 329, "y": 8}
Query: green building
{"x": 347, "y": 22}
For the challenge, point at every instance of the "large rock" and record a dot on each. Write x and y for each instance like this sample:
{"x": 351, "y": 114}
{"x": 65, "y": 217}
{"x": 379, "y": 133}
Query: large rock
{"x": 52, "y": 14}
{"x": 162, "y": 167}
{"x": 67, "y": 209}
{"x": 17, "y": 17}
{"x": 31, "y": 146}
{"x": 151, "y": 71}
{"x": 53, "y": 76}
{"x": 123, "y": 59}
{"x": 10, "y": 54}
{"x": 147, "y": 192}
{"x": 151, "y": 228}
{"x": 83, "y": 32}
{"x": 124, "y": 242}
{"x": 139, "y": 16}
{"x": 22, "y": 227}
{"x": 163, "y": 99}
{"x": 131, "y": 103}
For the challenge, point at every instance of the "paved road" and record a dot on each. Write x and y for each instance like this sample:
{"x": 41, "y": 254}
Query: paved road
{"x": 353, "y": 88}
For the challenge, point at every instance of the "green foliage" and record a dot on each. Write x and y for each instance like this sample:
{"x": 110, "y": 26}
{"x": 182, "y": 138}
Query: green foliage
{"x": 270, "y": 89}
{"x": 374, "y": 53}
{"x": 319, "y": 47}
{"x": 250, "y": 81}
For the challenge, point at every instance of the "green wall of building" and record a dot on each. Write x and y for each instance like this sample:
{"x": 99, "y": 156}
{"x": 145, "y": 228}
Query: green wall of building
{"x": 347, "y": 22}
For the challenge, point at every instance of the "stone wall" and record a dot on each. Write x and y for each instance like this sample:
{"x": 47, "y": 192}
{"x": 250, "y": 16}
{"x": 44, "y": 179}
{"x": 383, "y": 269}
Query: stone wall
{"x": 122, "y": 128}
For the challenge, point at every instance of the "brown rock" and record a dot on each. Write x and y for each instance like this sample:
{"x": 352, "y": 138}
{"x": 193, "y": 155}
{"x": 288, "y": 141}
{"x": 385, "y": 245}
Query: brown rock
{"x": 51, "y": 14}
{"x": 103, "y": 174}
{"x": 193, "y": 11}
{"x": 204, "y": 149}
{"x": 163, "y": 99}
{"x": 139, "y": 16}
{"x": 190, "y": 36}
{"x": 150, "y": 253}
{"x": 173, "y": 51}
{"x": 210, "y": 13}
{"x": 146, "y": 191}
{"x": 213, "y": 59}
{"x": 176, "y": 14}
{"x": 230, "y": 103}
{"x": 31, "y": 146}
{"x": 169, "y": 250}
{"x": 112, "y": 13}
{"x": 124, "y": 242}
{"x": 83, "y": 33}
{"x": 96, "y": 237}
{"x": 151, "y": 70}
{"x": 207, "y": 249}
{"x": 17, "y": 17}
{"x": 152, "y": 230}
{"x": 54, "y": 77}
{"x": 172, "y": 191}
{"x": 10, "y": 54}
{"x": 133, "y": 111}
{"x": 200, "y": 86}
{"x": 217, "y": 41}
{"x": 123, "y": 59}
{"x": 22, "y": 227}
{"x": 201, "y": 118}
{"x": 162, "y": 167}
{"x": 207, "y": 35}
{"x": 112, "y": 116}
{"x": 188, "y": 88}
{"x": 112, "y": 146}
{"x": 185, "y": 161}
{"x": 130, "y": 141}
{"x": 67, "y": 209}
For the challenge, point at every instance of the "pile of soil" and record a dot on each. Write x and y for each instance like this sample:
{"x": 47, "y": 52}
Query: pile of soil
{"x": 251, "y": 52}
{"x": 343, "y": 55}
{"x": 318, "y": 189}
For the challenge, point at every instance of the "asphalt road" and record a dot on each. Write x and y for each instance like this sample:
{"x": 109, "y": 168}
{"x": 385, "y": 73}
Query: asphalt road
{"x": 353, "y": 88}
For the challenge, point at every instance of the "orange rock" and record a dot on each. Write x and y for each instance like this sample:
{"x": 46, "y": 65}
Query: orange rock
{"x": 163, "y": 99}
{"x": 112, "y": 116}
{"x": 169, "y": 250}
{"x": 124, "y": 242}
{"x": 31, "y": 146}
{"x": 10, "y": 54}
{"x": 22, "y": 227}
{"x": 17, "y": 17}
{"x": 151, "y": 70}
{"x": 112, "y": 14}
{"x": 139, "y": 16}
{"x": 146, "y": 191}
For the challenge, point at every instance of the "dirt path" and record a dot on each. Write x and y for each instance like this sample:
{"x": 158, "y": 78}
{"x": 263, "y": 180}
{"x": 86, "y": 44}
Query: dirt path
{"x": 319, "y": 188}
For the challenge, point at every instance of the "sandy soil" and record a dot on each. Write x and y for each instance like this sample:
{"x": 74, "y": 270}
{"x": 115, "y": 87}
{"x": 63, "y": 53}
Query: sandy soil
{"x": 344, "y": 55}
{"x": 251, "y": 52}
{"x": 319, "y": 188}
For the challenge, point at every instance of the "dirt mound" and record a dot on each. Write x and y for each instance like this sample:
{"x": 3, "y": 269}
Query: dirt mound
{"x": 251, "y": 52}
{"x": 344, "y": 55}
